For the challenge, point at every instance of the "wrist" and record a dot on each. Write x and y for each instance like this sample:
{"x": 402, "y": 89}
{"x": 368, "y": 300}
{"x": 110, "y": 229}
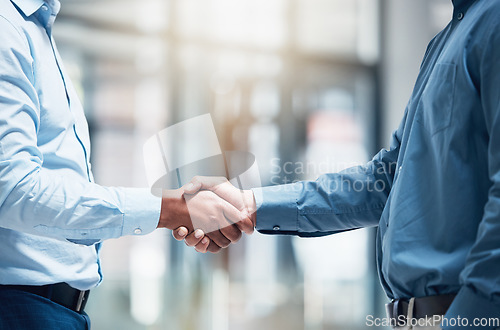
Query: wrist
{"x": 251, "y": 206}
{"x": 173, "y": 206}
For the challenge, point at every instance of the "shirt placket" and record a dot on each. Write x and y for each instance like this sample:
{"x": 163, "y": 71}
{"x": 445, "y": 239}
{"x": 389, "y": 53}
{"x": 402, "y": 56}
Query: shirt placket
{"x": 48, "y": 15}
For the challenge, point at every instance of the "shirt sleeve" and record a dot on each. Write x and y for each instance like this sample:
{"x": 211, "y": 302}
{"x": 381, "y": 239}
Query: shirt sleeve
{"x": 335, "y": 202}
{"x": 479, "y": 296}
{"x": 41, "y": 201}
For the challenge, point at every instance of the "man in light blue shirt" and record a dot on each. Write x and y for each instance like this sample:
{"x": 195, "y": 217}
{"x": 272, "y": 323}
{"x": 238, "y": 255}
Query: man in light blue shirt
{"x": 434, "y": 195}
{"x": 52, "y": 215}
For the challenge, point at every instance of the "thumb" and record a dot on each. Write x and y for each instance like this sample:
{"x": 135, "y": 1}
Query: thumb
{"x": 243, "y": 222}
{"x": 203, "y": 183}
{"x": 192, "y": 188}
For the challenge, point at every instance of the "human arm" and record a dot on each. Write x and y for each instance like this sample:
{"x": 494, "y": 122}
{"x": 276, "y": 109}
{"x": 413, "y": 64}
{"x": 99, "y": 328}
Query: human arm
{"x": 43, "y": 201}
{"x": 479, "y": 296}
{"x": 335, "y": 202}
{"x": 44, "y": 185}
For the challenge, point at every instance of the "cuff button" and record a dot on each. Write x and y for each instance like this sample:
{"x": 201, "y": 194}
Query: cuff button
{"x": 275, "y": 228}
{"x": 137, "y": 231}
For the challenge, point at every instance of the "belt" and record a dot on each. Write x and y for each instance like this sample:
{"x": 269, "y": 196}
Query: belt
{"x": 60, "y": 293}
{"x": 397, "y": 309}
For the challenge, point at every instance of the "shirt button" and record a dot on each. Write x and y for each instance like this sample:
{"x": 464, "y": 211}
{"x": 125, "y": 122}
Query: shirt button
{"x": 275, "y": 228}
{"x": 45, "y": 8}
{"x": 460, "y": 16}
{"x": 137, "y": 231}
{"x": 400, "y": 168}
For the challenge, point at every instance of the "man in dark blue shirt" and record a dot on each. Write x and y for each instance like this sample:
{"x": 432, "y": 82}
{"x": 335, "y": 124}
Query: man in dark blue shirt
{"x": 435, "y": 195}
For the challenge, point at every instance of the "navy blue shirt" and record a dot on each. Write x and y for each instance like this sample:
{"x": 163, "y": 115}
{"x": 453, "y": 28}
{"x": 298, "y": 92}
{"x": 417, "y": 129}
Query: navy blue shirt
{"x": 435, "y": 195}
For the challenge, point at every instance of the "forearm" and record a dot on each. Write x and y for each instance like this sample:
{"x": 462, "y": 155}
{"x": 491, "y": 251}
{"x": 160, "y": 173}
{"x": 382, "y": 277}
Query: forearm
{"x": 333, "y": 203}
{"x": 174, "y": 211}
{"x": 479, "y": 297}
{"x": 70, "y": 208}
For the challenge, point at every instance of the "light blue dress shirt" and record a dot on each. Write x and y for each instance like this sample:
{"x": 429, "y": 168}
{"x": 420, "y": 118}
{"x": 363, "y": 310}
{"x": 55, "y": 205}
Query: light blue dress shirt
{"x": 51, "y": 213}
{"x": 435, "y": 195}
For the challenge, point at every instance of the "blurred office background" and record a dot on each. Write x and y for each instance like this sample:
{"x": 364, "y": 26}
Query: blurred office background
{"x": 307, "y": 86}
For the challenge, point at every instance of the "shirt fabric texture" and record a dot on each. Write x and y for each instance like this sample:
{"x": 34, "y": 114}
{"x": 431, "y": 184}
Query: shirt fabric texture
{"x": 52, "y": 215}
{"x": 435, "y": 194}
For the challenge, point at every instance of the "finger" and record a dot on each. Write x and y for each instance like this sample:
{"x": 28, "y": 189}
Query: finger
{"x": 232, "y": 233}
{"x": 191, "y": 188}
{"x": 194, "y": 238}
{"x": 219, "y": 239}
{"x": 203, "y": 183}
{"x": 202, "y": 247}
{"x": 246, "y": 225}
{"x": 180, "y": 233}
{"x": 213, "y": 248}
{"x": 231, "y": 194}
{"x": 238, "y": 218}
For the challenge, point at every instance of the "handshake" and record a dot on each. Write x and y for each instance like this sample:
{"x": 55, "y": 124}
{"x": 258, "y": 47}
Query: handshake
{"x": 209, "y": 213}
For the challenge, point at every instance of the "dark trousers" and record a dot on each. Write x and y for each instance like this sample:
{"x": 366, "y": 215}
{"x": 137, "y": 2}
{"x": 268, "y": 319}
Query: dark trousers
{"x": 21, "y": 310}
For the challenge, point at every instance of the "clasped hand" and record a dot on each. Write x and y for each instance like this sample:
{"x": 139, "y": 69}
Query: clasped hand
{"x": 209, "y": 213}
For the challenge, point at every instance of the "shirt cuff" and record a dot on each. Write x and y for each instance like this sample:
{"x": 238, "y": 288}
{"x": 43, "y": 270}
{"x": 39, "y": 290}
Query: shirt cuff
{"x": 141, "y": 212}
{"x": 277, "y": 211}
{"x": 470, "y": 310}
